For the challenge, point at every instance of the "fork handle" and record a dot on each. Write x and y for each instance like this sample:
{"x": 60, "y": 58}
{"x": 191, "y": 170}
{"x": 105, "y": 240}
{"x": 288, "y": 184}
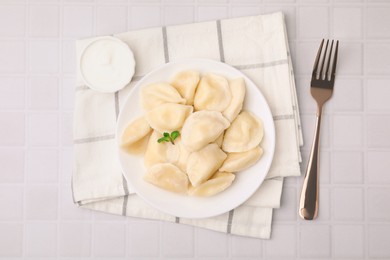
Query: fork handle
{"x": 308, "y": 206}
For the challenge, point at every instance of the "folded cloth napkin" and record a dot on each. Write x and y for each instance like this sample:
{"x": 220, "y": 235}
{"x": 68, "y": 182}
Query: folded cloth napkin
{"x": 255, "y": 45}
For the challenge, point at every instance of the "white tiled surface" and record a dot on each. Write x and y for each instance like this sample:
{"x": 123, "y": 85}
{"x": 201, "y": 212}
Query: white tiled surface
{"x": 37, "y": 74}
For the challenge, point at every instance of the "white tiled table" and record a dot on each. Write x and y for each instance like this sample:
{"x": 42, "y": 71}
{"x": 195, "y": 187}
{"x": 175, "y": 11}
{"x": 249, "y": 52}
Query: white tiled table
{"x": 37, "y": 75}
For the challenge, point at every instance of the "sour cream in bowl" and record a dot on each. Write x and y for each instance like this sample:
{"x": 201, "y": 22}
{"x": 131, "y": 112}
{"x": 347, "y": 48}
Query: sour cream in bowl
{"x": 107, "y": 64}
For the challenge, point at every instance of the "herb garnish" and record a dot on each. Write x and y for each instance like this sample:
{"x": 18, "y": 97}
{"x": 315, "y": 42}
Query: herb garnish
{"x": 169, "y": 137}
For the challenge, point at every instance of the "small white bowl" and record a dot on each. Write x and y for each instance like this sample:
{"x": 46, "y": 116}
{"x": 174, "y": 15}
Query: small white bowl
{"x": 107, "y": 64}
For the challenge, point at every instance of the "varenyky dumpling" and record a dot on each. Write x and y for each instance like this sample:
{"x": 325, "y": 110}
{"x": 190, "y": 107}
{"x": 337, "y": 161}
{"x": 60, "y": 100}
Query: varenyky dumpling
{"x": 213, "y": 93}
{"x": 156, "y": 94}
{"x": 178, "y": 154}
{"x": 168, "y": 117}
{"x": 136, "y": 135}
{"x": 202, "y": 128}
{"x": 219, "y": 140}
{"x": 217, "y": 183}
{"x": 236, "y": 162}
{"x": 245, "y": 133}
{"x": 167, "y": 176}
{"x": 156, "y": 152}
{"x": 186, "y": 82}
{"x": 237, "y": 88}
{"x": 203, "y": 163}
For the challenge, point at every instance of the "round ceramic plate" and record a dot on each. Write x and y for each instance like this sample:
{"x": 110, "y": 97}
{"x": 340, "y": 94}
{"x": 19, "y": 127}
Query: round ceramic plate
{"x": 181, "y": 205}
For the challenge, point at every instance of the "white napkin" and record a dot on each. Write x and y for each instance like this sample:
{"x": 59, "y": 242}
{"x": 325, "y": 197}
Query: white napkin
{"x": 255, "y": 45}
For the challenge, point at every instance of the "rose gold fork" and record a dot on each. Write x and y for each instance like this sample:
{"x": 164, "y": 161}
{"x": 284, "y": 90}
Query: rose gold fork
{"x": 322, "y": 82}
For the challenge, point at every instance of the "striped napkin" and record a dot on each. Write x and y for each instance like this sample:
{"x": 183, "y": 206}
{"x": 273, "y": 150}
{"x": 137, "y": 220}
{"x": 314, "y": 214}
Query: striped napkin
{"x": 255, "y": 45}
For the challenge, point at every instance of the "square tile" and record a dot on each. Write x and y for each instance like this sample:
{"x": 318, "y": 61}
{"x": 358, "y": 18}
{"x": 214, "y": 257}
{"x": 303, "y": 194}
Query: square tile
{"x": 378, "y": 240}
{"x": 283, "y": 236}
{"x": 347, "y": 131}
{"x": 304, "y": 59}
{"x": 12, "y": 165}
{"x": 239, "y": 11}
{"x": 12, "y": 128}
{"x": 308, "y": 126}
{"x": 347, "y": 22}
{"x": 12, "y": 92}
{"x": 324, "y": 201}
{"x": 67, "y": 164}
{"x": 105, "y": 216}
{"x": 377, "y": 21}
{"x": 348, "y": 241}
{"x": 109, "y": 240}
{"x": 44, "y": 56}
{"x": 348, "y": 203}
{"x": 43, "y": 93}
{"x": 313, "y": 22}
{"x": 350, "y": 59}
{"x": 208, "y": 13}
{"x": 15, "y": 15}
{"x": 288, "y": 205}
{"x": 177, "y": 240}
{"x": 347, "y": 167}
{"x": 351, "y": 88}
{"x": 315, "y": 241}
{"x": 41, "y": 202}
{"x": 140, "y": 231}
{"x": 68, "y": 92}
{"x": 43, "y": 129}
{"x": 41, "y": 239}
{"x": 210, "y": 243}
{"x": 11, "y": 202}
{"x": 377, "y": 92}
{"x": 68, "y": 209}
{"x": 68, "y": 57}
{"x": 378, "y": 165}
{"x": 44, "y": 21}
{"x": 378, "y": 127}
{"x": 11, "y": 239}
{"x": 66, "y": 129}
{"x": 12, "y": 56}
{"x": 178, "y": 14}
{"x": 245, "y": 247}
{"x": 145, "y": 16}
{"x": 42, "y": 165}
{"x": 74, "y": 239}
{"x": 377, "y": 58}
{"x": 111, "y": 19}
{"x": 378, "y": 207}
{"x": 77, "y": 21}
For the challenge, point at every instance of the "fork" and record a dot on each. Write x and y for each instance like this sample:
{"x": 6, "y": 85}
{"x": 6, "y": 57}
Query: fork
{"x": 321, "y": 89}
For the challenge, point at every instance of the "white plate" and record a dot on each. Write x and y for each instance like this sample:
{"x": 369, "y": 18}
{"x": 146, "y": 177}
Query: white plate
{"x": 246, "y": 182}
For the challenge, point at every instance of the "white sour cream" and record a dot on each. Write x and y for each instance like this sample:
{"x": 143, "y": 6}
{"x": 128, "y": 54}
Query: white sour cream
{"x": 107, "y": 64}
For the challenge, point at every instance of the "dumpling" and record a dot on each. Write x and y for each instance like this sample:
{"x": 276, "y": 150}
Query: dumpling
{"x": 135, "y": 131}
{"x": 167, "y": 176}
{"x": 168, "y": 117}
{"x": 155, "y": 152}
{"x": 219, "y": 140}
{"x": 237, "y": 88}
{"x": 202, "y": 128}
{"x": 178, "y": 154}
{"x": 213, "y": 93}
{"x": 245, "y": 133}
{"x": 186, "y": 82}
{"x": 136, "y": 136}
{"x": 159, "y": 93}
{"x": 236, "y": 162}
{"x": 203, "y": 163}
{"x": 218, "y": 182}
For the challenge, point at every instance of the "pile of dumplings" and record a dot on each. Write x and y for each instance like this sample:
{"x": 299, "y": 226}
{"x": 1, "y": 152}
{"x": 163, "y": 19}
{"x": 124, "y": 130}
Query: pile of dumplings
{"x": 217, "y": 139}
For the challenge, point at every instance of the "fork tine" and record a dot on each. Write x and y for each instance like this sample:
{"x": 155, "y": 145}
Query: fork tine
{"x": 323, "y": 59}
{"x": 334, "y": 61}
{"x": 317, "y": 58}
{"x": 329, "y": 60}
